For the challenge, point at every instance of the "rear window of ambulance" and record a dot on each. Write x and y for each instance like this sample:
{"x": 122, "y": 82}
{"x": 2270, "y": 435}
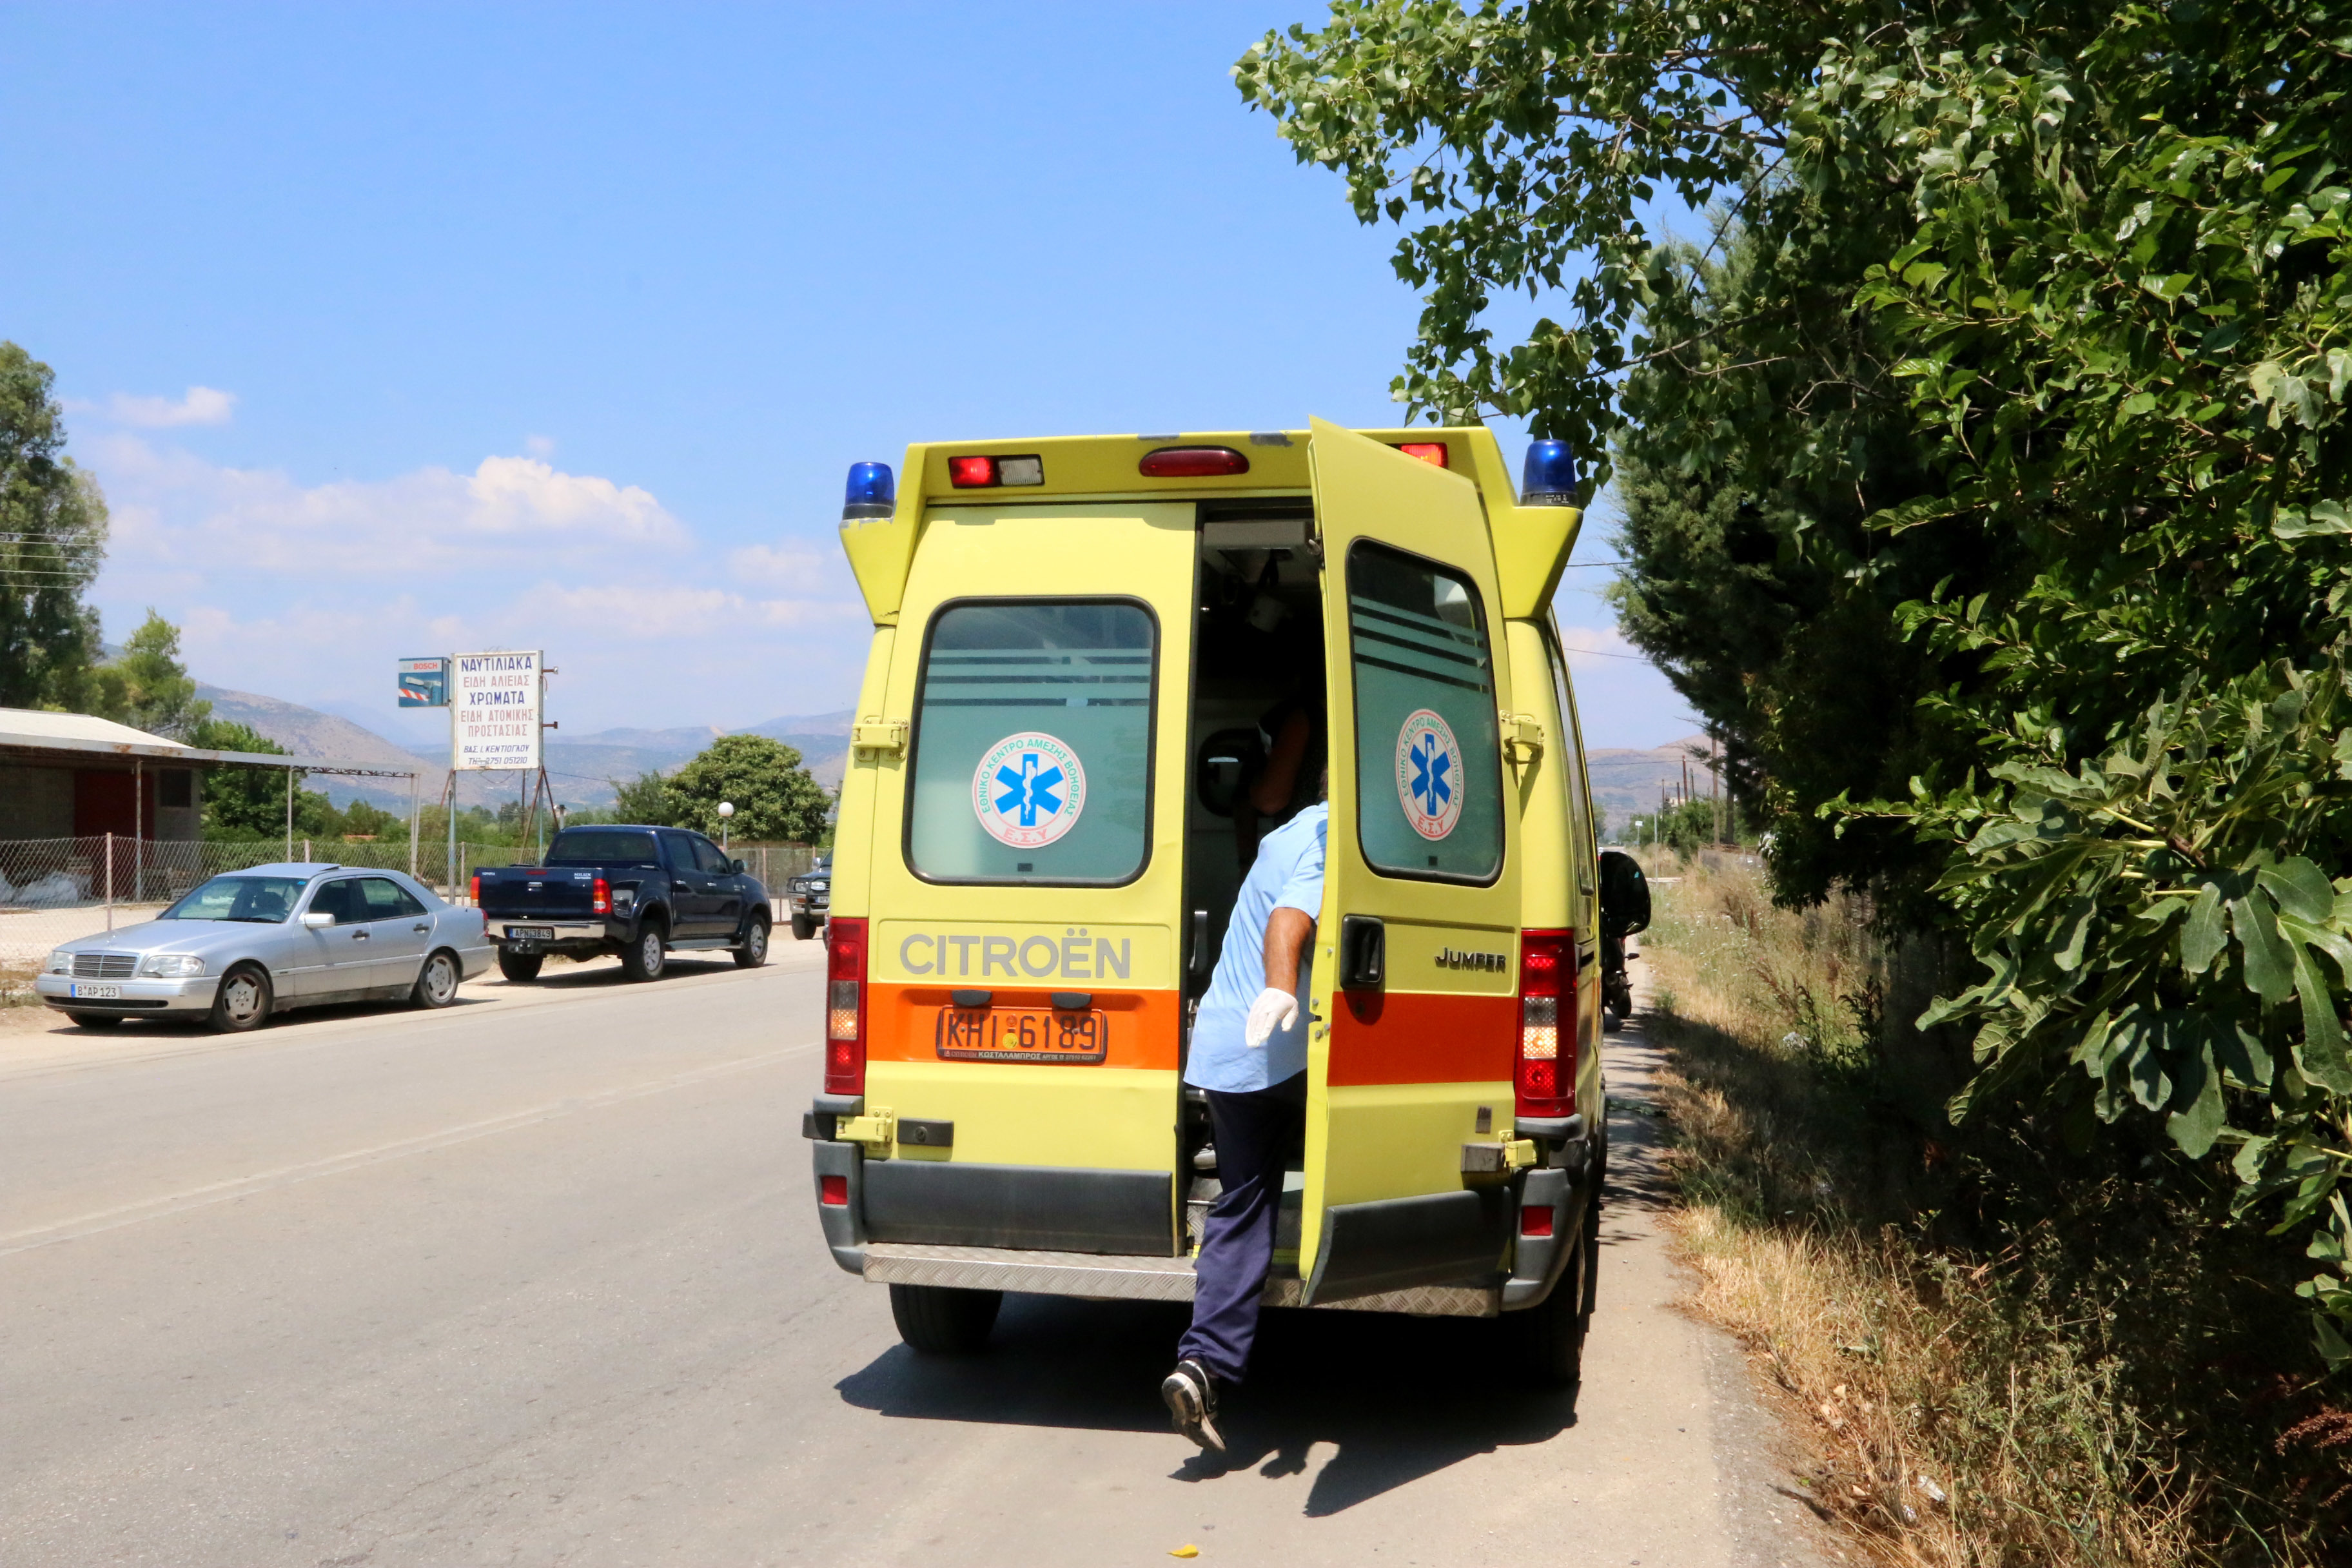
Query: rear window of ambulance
{"x": 1033, "y": 743}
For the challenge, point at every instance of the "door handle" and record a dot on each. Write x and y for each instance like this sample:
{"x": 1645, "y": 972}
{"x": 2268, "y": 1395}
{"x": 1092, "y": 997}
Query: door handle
{"x": 425, "y": 927}
{"x": 1363, "y": 953}
{"x": 1197, "y": 964}
{"x": 359, "y": 936}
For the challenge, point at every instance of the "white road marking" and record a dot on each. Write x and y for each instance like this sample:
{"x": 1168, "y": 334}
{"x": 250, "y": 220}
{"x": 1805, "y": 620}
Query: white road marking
{"x": 311, "y": 1170}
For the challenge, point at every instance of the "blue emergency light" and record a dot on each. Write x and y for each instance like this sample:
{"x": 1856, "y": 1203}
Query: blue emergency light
{"x": 1549, "y": 477}
{"x": 872, "y": 492}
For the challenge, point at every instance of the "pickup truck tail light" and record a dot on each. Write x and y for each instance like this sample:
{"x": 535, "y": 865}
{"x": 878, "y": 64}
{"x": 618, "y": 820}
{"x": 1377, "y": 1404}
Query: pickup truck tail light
{"x": 1547, "y": 1076}
{"x": 475, "y": 890}
{"x": 600, "y": 897}
{"x": 844, "y": 1005}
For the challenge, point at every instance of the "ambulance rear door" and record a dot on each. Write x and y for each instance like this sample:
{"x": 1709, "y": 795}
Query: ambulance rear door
{"x": 1026, "y": 1004}
{"x": 1415, "y": 1030}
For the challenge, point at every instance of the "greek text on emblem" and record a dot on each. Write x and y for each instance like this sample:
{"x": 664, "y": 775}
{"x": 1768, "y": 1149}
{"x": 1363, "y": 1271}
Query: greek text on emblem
{"x": 1429, "y": 773}
{"x": 1028, "y": 790}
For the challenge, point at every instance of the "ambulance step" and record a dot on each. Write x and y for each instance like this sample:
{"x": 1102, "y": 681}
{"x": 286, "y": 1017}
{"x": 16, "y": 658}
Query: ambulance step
{"x": 1112, "y": 1278}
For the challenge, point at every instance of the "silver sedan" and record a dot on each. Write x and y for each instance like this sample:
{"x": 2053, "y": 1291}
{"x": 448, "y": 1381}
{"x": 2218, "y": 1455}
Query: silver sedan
{"x": 251, "y": 944}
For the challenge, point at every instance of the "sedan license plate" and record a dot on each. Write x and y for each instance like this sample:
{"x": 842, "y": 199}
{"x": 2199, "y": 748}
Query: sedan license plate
{"x": 1022, "y": 1034}
{"x": 98, "y": 992}
{"x": 531, "y": 934}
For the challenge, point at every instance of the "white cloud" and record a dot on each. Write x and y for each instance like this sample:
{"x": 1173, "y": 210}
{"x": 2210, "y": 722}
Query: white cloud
{"x": 309, "y": 591}
{"x": 643, "y": 611}
{"x": 173, "y": 507}
{"x": 200, "y": 405}
{"x": 791, "y": 567}
{"x": 1600, "y": 642}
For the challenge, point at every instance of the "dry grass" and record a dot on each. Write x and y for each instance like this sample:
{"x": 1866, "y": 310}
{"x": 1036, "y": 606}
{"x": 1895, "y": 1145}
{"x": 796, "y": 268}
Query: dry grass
{"x": 1975, "y": 1396}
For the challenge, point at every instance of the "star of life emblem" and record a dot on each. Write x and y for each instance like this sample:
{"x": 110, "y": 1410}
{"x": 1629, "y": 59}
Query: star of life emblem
{"x": 1028, "y": 790}
{"x": 1429, "y": 773}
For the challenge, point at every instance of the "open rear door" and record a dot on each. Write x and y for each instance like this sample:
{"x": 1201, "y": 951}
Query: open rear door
{"x": 1412, "y": 1049}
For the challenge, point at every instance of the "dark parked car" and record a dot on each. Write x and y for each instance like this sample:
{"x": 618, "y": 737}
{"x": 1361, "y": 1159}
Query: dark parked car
{"x": 640, "y": 892}
{"x": 809, "y": 897}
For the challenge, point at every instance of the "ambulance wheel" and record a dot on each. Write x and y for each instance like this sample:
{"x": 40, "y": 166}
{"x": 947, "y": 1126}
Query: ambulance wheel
{"x": 1550, "y": 1351}
{"x": 937, "y": 1319}
{"x": 520, "y": 966}
{"x": 804, "y": 927}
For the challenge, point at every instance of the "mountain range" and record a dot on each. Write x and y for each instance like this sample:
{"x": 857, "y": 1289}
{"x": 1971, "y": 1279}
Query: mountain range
{"x": 580, "y": 768}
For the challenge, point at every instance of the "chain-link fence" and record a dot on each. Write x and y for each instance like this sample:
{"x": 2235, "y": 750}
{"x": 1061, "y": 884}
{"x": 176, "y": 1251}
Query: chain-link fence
{"x": 54, "y": 890}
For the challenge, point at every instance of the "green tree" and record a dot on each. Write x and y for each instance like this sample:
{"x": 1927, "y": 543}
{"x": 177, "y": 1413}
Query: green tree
{"x": 240, "y": 803}
{"x": 147, "y": 686}
{"x": 774, "y": 797}
{"x": 52, "y": 542}
{"x": 644, "y": 799}
{"x": 1994, "y": 437}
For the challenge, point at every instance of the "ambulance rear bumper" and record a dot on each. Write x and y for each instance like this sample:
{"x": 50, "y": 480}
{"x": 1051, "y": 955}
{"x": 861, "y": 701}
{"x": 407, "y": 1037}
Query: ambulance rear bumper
{"x": 1114, "y": 1278}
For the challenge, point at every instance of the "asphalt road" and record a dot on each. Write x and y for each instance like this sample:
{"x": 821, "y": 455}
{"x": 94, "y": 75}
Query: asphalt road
{"x": 537, "y": 1280}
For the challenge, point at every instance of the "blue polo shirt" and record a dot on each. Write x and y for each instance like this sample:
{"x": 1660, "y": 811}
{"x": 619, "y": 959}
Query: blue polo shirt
{"x": 1287, "y": 875}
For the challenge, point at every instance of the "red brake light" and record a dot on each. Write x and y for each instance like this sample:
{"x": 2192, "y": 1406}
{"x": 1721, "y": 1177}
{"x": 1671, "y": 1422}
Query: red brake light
{"x": 600, "y": 897}
{"x": 971, "y": 473}
{"x": 475, "y": 892}
{"x": 1192, "y": 462}
{"x": 835, "y": 1191}
{"x": 1547, "y": 1076}
{"x": 1534, "y": 1219}
{"x": 844, "y": 1005}
{"x": 1427, "y": 451}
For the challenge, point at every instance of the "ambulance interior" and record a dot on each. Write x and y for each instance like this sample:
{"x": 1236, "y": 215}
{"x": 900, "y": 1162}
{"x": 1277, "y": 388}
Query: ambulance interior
{"x": 1259, "y": 659}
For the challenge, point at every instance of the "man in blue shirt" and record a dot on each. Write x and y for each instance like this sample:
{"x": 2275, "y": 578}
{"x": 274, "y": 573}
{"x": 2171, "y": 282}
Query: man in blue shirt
{"x": 1249, "y": 1053}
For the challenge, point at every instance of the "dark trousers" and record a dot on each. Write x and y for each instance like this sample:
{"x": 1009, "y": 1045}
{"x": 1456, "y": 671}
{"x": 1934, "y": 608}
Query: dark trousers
{"x": 1256, "y": 1132}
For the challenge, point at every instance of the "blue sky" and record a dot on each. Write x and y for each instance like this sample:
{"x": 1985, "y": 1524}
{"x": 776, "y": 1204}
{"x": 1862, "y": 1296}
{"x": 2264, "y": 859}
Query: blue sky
{"x": 395, "y": 331}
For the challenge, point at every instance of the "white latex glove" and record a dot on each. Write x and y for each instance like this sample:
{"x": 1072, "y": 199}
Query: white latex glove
{"x": 1273, "y": 1010}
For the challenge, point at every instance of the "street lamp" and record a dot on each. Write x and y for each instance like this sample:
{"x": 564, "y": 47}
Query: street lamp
{"x": 726, "y": 810}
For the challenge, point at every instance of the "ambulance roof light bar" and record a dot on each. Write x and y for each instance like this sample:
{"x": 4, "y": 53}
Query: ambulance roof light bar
{"x": 872, "y": 492}
{"x": 1549, "y": 477}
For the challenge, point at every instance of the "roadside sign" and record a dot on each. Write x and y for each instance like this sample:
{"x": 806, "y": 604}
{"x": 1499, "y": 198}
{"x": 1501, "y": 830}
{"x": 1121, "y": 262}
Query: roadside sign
{"x": 425, "y": 683}
{"x": 494, "y": 711}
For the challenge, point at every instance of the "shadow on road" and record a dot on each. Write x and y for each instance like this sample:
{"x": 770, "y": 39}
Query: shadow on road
{"x": 1401, "y": 1398}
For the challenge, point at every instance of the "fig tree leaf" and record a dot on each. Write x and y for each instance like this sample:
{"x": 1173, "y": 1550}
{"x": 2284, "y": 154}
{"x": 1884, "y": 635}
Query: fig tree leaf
{"x": 2202, "y": 938}
{"x": 2302, "y": 889}
{"x": 2268, "y": 966}
{"x": 2324, "y": 1060}
{"x": 2194, "y": 1128}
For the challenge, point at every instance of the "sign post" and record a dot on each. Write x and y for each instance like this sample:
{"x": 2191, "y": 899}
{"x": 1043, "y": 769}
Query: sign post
{"x": 423, "y": 683}
{"x": 495, "y": 701}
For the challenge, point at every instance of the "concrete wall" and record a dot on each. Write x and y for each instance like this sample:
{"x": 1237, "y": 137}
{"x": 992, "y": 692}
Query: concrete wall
{"x": 36, "y": 803}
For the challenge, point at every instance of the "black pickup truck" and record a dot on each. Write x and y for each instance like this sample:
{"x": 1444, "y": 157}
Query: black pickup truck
{"x": 640, "y": 892}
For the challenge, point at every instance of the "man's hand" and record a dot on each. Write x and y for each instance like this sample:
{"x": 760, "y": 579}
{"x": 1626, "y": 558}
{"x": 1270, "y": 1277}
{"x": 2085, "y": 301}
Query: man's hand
{"x": 1288, "y": 932}
{"x": 1273, "y": 1010}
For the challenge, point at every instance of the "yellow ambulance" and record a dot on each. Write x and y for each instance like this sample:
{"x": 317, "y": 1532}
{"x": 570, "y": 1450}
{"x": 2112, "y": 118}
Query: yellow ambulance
{"x": 1047, "y": 812}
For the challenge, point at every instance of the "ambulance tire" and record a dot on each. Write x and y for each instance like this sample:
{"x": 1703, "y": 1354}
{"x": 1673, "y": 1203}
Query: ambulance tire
{"x": 938, "y": 1320}
{"x": 1551, "y": 1348}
